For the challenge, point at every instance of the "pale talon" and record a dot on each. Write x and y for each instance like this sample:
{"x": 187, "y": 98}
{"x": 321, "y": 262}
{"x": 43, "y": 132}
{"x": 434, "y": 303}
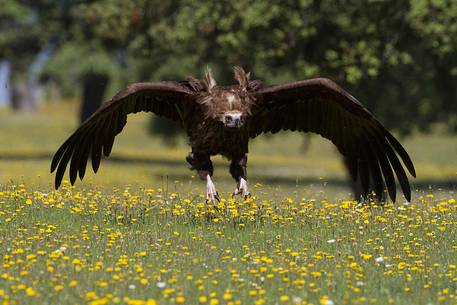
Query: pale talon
{"x": 211, "y": 194}
{"x": 242, "y": 188}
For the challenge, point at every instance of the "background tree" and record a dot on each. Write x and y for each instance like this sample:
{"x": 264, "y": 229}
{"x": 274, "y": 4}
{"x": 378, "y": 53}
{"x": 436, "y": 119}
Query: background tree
{"x": 398, "y": 57}
{"x": 22, "y": 37}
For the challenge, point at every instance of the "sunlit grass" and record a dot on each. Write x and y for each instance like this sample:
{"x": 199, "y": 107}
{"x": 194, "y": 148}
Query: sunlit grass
{"x": 153, "y": 246}
{"x": 28, "y": 141}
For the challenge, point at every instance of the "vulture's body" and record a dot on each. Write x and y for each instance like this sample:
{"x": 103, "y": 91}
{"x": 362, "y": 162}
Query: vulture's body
{"x": 221, "y": 120}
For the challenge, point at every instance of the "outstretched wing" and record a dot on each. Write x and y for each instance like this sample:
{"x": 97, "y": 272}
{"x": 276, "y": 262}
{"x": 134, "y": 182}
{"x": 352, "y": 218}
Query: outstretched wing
{"x": 170, "y": 99}
{"x": 321, "y": 106}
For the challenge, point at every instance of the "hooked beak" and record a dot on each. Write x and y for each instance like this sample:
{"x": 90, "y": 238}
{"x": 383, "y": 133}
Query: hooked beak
{"x": 233, "y": 120}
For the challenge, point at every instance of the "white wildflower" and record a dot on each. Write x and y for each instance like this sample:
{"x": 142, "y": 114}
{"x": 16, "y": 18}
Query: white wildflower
{"x": 329, "y": 302}
{"x": 61, "y": 249}
{"x": 161, "y": 285}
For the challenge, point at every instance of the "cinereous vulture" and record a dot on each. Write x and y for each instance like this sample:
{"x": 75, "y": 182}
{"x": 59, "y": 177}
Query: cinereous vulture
{"x": 222, "y": 119}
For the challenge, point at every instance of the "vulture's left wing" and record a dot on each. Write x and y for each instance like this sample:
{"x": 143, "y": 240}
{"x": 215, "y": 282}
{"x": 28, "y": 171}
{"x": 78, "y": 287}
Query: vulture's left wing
{"x": 321, "y": 106}
{"x": 96, "y": 135}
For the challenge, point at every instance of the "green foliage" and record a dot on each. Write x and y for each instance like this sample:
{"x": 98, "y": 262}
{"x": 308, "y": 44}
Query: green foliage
{"x": 17, "y": 34}
{"x": 398, "y": 57}
{"x": 111, "y": 21}
{"x": 436, "y": 21}
{"x": 85, "y": 59}
{"x": 25, "y": 27}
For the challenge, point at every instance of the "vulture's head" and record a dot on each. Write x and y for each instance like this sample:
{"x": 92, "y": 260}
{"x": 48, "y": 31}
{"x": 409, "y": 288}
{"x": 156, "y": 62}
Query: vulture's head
{"x": 229, "y": 105}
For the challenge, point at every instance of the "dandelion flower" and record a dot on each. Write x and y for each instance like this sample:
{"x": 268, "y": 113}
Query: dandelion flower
{"x": 284, "y": 298}
{"x": 326, "y": 301}
{"x": 30, "y": 292}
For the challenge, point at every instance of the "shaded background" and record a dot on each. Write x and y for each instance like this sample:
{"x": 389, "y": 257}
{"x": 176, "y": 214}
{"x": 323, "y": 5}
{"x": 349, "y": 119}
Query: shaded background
{"x": 60, "y": 59}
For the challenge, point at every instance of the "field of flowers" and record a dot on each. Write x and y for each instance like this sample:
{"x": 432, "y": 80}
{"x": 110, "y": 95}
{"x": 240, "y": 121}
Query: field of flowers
{"x": 150, "y": 246}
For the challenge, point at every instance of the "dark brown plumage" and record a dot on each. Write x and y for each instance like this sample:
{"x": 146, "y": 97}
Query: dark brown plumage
{"x": 221, "y": 120}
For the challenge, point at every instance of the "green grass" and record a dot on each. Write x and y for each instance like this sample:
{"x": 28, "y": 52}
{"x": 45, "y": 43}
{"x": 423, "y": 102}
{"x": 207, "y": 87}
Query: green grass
{"x": 140, "y": 230}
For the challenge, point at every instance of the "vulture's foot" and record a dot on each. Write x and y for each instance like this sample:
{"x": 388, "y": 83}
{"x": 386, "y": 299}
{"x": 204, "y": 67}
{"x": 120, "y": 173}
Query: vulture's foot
{"x": 242, "y": 188}
{"x": 211, "y": 194}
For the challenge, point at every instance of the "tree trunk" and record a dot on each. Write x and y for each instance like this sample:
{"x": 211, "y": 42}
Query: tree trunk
{"x": 5, "y": 90}
{"x": 94, "y": 87}
{"x": 23, "y": 98}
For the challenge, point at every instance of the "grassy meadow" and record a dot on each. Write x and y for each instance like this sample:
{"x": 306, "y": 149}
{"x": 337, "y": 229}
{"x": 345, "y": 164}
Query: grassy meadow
{"x": 139, "y": 232}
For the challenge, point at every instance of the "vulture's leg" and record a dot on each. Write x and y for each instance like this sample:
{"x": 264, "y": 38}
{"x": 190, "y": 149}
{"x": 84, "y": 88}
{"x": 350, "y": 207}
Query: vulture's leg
{"x": 202, "y": 163}
{"x": 239, "y": 173}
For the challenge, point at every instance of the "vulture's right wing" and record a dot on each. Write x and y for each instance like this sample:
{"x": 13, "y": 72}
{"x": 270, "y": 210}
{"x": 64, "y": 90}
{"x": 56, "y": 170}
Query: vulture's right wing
{"x": 321, "y": 106}
{"x": 169, "y": 99}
